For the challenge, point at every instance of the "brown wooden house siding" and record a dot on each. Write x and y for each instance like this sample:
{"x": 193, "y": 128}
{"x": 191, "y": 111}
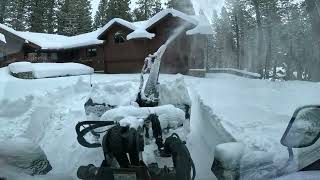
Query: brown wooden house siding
{"x": 128, "y": 57}
{"x": 184, "y": 53}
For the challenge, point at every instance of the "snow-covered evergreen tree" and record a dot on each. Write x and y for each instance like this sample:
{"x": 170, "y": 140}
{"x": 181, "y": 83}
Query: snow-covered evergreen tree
{"x": 146, "y": 9}
{"x": 84, "y": 17}
{"x": 74, "y": 17}
{"x": 37, "y": 12}
{"x": 119, "y": 9}
{"x": 182, "y": 5}
{"x": 101, "y": 15}
{"x": 50, "y": 16}
{"x": 17, "y": 14}
{"x": 3, "y": 10}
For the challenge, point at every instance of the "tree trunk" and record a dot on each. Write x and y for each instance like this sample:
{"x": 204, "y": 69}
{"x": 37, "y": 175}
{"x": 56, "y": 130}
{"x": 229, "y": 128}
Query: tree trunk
{"x": 313, "y": 10}
{"x": 260, "y": 32}
{"x": 238, "y": 40}
{"x": 269, "y": 52}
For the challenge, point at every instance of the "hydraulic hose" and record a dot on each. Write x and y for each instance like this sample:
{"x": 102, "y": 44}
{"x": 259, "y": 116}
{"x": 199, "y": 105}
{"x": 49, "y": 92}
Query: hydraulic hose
{"x": 92, "y": 125}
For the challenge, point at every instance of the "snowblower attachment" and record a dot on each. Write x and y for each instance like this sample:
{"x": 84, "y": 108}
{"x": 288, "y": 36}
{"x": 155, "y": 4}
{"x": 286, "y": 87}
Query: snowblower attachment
{"x": 148, "y": 95}
{"x": 163, "y": 107}
{"x": 125, "y": 145}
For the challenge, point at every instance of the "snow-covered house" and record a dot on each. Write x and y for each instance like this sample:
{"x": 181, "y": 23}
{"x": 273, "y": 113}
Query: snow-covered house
{"x": 118, "y": 47}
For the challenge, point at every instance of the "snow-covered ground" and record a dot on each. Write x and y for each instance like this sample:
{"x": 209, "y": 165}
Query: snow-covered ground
{"x": 225, "y": 108}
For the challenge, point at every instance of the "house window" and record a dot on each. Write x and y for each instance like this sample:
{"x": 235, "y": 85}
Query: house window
{"x": 119, "y": 37}
{"x": 91, "y": 52}
{"x": 54, "y": 57}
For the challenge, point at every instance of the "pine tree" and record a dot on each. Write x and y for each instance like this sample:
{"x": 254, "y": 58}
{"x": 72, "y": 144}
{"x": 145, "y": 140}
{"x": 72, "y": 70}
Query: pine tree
{"x": 74, "y": 17}
{"x": 181, "y": 5}
{"x": 50, "y": 16}
{"x": 17, "y": 14}
{"x": 37, "y": 12}
{"x": 146, "y": 9}
{"x": 157, "y": 7}
{"x": 101, "y": 15}
{"x": 119, "y": 9}
{"x": 84, "y": 17}
{"x": 3, "y": 8}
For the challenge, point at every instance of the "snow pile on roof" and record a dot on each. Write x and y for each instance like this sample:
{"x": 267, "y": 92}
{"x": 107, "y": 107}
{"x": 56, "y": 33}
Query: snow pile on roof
{"x": 3, "y": 38}
{"x": 140, "y": 29}
{"x": 203, "y": 26}
{"x": 20, "y": 67}
{"x": 55, "y": 41}
{"x": 140, "y": 33}
{"x": 45, "y": 70}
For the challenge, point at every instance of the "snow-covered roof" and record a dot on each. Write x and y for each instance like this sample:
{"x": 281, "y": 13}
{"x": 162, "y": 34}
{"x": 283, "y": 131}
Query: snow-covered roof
{"x": 139, "y": 30}
{"x": 3, "y": 38}
{"x": 203, "y": 26}
{"x": 54, "y": 41}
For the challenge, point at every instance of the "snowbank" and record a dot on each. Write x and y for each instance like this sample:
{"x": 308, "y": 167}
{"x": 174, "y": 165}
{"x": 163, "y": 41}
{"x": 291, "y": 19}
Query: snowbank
{"x": 225, "y": 108}
{"x": 45, "y": 70}
{"x": 169, "y": 116}
{"x": 24, "y": 154}
{"x": 174, "y": 92}
{"x": 20, "y": 67}
{"x": 253, "y": 112}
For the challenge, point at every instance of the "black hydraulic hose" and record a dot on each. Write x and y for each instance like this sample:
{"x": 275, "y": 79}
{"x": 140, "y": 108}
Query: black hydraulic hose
{"x": 92, "y": 125}
{"x": 177, "y": 147}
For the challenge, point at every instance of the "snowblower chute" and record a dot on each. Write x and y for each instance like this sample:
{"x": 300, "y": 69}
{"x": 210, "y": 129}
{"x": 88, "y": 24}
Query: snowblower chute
{"x": 125, "y": 127}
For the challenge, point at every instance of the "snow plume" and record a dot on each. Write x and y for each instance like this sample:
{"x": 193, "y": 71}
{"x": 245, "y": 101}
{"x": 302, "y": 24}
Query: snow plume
{"x": 207, "y": 7}
{"x": 176, "y": 33}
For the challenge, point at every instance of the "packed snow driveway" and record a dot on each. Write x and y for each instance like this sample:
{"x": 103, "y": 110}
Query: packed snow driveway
{"x": 224, "y": 108}
{"x": 254, "y": 113}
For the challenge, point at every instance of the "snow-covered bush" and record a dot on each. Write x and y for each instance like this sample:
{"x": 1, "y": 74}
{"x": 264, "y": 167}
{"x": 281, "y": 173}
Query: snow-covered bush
{"x": 27, "y": 70}
{"x": 23, "y": 70}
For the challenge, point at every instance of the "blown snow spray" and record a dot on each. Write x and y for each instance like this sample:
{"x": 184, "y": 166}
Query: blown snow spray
{"x": 150, "y": 93}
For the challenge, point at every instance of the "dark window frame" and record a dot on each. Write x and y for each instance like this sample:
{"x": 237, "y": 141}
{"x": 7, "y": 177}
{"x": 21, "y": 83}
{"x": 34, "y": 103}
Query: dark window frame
{"x": 119, "y": 37}
{"x": 91, "y": 52}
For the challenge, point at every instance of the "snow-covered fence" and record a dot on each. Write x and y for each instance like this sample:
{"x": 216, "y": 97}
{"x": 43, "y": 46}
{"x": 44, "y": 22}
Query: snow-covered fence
{"x": 237, "y": 72}
{"x": 197, "y": 72}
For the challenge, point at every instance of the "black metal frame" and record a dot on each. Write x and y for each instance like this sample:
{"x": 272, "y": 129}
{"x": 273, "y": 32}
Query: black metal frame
{"x": 290, "y": 125}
